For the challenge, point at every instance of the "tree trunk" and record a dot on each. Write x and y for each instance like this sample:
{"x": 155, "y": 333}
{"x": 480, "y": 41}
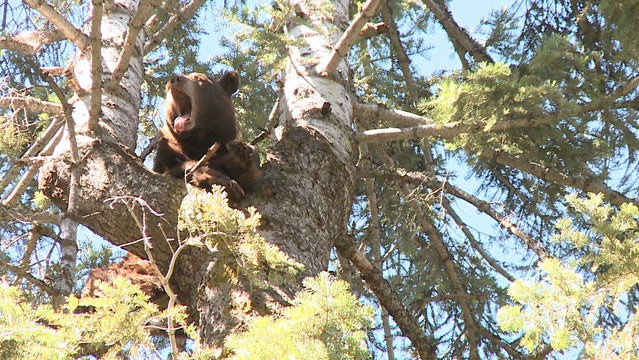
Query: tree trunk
{"x": 305, "y": 201}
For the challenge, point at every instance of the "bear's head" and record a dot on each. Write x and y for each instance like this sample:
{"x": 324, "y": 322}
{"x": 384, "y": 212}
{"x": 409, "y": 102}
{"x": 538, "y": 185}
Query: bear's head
{"x": 198, "y": 104}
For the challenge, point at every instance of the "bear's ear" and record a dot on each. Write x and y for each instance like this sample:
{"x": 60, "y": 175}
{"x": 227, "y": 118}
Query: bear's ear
{"x": 230, "y": 81}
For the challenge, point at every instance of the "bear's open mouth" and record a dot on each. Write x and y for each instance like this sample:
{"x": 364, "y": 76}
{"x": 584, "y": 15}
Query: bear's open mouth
{"x": 183, "y": 121}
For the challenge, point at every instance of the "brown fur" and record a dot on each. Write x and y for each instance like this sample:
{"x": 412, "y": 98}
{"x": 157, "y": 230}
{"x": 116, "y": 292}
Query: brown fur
{"x": 199, "y": 113}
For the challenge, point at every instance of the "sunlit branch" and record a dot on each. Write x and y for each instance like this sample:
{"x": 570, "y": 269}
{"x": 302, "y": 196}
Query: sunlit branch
{"x": 344, "y": 44}
{"x": 588, "y": 184}
{"x": 30, "y": 105}
{"x": 382, "y": 113}
{"x": 69, "y": 31}
{"x": 186, "y": 12}
{"x": 142, "y": 14}
{"x": 456, "y": 32}
{"x": 96, "y": 65}
{"x": 30, "y": 42}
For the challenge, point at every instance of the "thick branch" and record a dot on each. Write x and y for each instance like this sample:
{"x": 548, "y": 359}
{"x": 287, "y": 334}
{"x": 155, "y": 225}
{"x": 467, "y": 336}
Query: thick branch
{"x": 382, "y": 113}
{"x": 186, "y": 12}
{"x": 30, "y": 104}
{"x": 69, "y": 31}
{"x": 30, "y": 42}
{"x": 344, "y": 44}
{"x": 457, "y": 33}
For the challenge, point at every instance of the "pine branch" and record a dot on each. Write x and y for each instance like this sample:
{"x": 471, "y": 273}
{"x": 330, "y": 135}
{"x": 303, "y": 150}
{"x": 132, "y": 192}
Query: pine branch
{"x": 389, "y": 299}
{"x": 587, "y": 184}
{"x": 142, "y": 14}
{"x": 473, "y": 242}
{"x": 30, "y": 105}
{"x": 344, "y": 44}
{"x": 186, "y": 12}
{"x": 402, "y": 59}
{"x": 96, "y": 65}
{"x": 49, "y": 140}
{"x": 30, "y": 42}
{"x": 420, "y": 179}
{"x": 457, "y": 33}
{"x": 69, "y": 31}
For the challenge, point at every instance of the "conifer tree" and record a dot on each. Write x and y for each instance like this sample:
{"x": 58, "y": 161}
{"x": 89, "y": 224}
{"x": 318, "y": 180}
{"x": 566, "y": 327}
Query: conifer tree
{"x": 484, "y": 212}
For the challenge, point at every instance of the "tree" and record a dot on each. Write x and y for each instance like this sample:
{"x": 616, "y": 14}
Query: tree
{"x": 367, "y": 155}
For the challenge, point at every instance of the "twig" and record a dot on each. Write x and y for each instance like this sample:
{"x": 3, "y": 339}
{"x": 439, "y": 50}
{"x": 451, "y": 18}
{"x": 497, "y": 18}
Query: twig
{"x": 347, "y": 40}
{"x": 96, "y": 65}
{"x": 65, "y": 26}
{"x": 209, "y": 154}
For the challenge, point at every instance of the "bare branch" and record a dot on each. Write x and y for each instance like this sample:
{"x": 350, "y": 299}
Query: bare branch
{"x": 96, "y": 65}
{"x": 456, "y": 32}
{"x": 209, "y": 154}
{"x": 186, "y": 12}
{"x": 142, "y": 14}
{"x": 344, "y": 44}
{"x": 30, "y": 104}
{"x": 69, "y": 31}
{"x": 382, "y": 113}
{"x": 30, "y": 42}
{"x": 473, "y": 242}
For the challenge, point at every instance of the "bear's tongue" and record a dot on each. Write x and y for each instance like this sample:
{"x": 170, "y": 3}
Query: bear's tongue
{"x": 180, "y": 122}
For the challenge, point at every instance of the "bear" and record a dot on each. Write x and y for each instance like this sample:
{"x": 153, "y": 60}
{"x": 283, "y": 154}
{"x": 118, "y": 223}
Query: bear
{"x": 199, "y": 113}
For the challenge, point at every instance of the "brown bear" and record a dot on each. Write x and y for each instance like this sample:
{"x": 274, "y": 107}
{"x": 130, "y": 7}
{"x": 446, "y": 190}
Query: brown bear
{"x": 199, "y": 113}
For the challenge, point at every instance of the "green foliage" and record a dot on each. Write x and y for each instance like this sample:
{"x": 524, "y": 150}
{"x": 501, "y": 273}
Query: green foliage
{"x": 12, "y": 138}
{"x": 325, "y": 322}
{"x": 112, "y": 325}
{"x": 209, "y": 220}
{"x": 571, "y": 311}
